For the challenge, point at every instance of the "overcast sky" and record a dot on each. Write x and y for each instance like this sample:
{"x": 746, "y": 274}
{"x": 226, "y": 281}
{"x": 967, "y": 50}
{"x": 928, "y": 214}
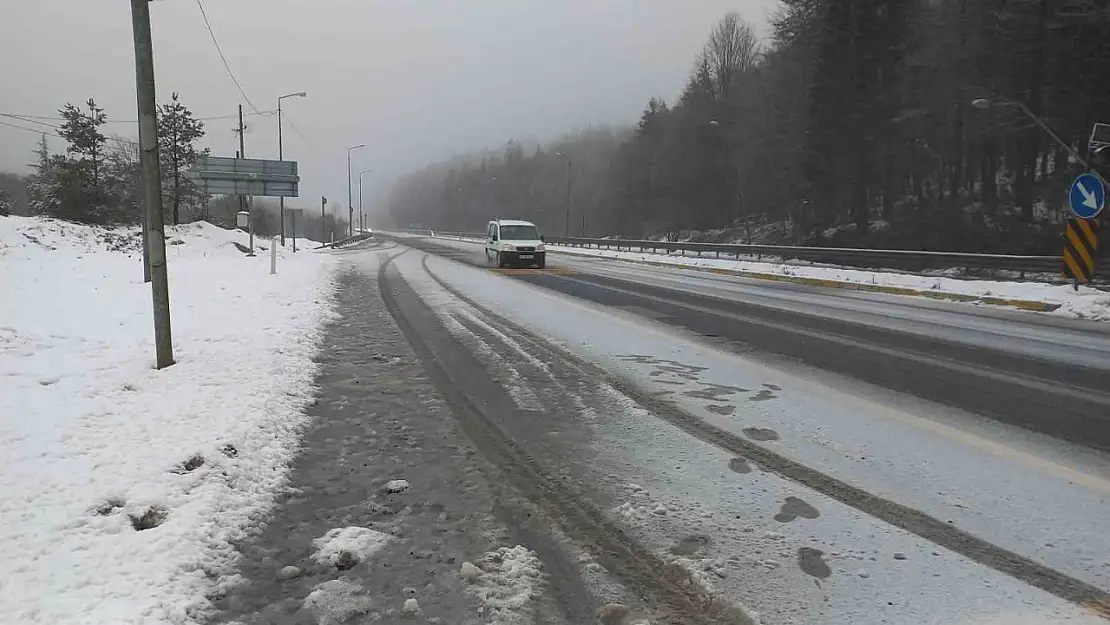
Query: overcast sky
{"x": 416, "y": 80}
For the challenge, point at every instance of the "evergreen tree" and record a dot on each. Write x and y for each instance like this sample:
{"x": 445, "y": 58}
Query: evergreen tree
{"x": 42, "y": 190}
{"x": 5, "y": 203}
{"x": 82, "y": 131}
{"x": 178, "y": 132}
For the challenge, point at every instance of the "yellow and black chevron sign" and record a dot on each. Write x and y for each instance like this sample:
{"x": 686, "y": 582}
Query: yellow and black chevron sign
{"x": 1081, "y": 249}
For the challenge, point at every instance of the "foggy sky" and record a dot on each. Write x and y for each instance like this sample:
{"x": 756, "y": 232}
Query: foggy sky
{"x": 416, "y": 80}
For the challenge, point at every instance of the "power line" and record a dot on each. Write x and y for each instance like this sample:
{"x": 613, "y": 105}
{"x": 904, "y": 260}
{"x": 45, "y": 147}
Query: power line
{"x": 300, "y": 134}
{"x": 224, "y": 59}
{"x": 200, "y": 119}
{"x": 41, "y": 131}
{"x": 37, "y": 131}
{"x": 28, "y": 120}
{"x": 34, "y": 118}
{"x": 54, "y": 117}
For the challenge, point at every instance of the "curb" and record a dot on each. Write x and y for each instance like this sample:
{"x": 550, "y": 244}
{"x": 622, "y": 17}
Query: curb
{"x": 1021, "y": 304}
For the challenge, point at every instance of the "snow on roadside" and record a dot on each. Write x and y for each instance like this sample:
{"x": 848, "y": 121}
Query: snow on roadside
{"x": 506, "y": 582}
{"x": 1086, "y": 303}
{"x": 123, "y": 486}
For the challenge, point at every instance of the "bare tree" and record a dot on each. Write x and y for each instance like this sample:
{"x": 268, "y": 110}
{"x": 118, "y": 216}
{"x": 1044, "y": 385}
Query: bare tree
{"x": 732, "y": 50}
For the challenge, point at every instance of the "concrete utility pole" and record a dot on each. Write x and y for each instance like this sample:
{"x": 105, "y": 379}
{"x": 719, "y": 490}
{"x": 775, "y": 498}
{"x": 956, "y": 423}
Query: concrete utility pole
{"x": 281, "y": 200}
{"x": 241, "y": 130}
{"x": 323, "y": 220}
{"x": 152, "y": 180}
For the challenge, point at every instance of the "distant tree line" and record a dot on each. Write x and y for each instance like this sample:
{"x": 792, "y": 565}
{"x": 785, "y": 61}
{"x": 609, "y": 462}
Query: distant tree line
{"x": 265, "y": 214}
{"x": 97, "y": 179}
{"x": 853, "y": 125}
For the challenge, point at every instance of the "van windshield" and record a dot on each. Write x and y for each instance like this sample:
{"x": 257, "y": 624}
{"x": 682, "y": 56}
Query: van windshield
{"x": 520, "y": 233}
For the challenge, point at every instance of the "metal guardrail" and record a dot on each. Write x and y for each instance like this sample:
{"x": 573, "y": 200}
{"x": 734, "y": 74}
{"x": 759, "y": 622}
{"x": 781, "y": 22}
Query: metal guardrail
{"x": 905, "y": 260}
{"x": 347, "y": 241}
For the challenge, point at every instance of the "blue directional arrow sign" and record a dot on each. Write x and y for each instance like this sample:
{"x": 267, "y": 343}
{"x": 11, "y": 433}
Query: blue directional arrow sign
{"x": 1087, "y": 196}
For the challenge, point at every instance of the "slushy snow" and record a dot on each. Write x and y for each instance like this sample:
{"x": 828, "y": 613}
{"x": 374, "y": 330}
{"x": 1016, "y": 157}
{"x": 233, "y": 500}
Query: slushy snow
{"x": 357, "y": 542}
{"x": 511, "y": 578}
{"x": 125, "y": 487}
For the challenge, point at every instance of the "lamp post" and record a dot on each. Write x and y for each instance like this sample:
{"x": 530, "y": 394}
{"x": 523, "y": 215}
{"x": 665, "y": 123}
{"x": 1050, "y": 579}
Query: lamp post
{"x": 281, "y": 200}
{"x": 350, "y": 206}
{"x": 361, "y": 224}
{"x": 996, "y": 101}
{"x": 566, "y": 216}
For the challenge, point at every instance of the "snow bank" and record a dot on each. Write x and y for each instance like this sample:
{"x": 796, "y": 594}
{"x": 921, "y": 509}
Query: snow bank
{"x": 1086, "y": 303}
{"x": 124, "y": 487}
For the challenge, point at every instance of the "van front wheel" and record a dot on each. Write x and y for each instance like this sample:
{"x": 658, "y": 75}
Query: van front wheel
{"x": 501, "y": 260}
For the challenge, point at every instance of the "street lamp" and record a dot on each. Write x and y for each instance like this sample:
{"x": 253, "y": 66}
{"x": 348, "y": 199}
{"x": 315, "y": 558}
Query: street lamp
{"x": 999, "y": 101}
{"x": 350, "y": 207}
{"x": 281, "y": 157}
{"x": 361, "y": 224}
{"x": 566, "y": 217}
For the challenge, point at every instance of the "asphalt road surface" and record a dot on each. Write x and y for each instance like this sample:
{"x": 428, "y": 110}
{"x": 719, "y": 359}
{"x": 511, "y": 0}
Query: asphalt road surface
{"x": 629, "y": 445}
{"x": 1035, "y": 371}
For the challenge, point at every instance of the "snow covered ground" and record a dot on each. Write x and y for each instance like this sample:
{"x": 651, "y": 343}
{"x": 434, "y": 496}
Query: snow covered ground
{"x": 1086, "y": 303}
{"x": 124, "y": 486}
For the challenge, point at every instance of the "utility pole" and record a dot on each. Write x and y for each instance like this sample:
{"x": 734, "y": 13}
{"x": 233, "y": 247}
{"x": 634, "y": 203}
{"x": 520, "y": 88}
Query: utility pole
{"x": 152, "y": 180}
{"x": 323, "y": 220}
{"x": 240, "y": 130}
{"x": 566, "y": 219}
{"x": 146, "y": 246}
{"x": 281, "y": 200}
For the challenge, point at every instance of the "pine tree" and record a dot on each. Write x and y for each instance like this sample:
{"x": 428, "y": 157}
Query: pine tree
{"x": 42, "y": 191}
{"x": 82, "y": 131}
{"x": 178, "y": 132}
{"x": 5, "y": 203}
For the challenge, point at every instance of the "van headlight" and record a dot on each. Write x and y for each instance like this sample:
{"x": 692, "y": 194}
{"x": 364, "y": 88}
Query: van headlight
{"x": 541, "y": 247}
{"x": 509, "y": 247}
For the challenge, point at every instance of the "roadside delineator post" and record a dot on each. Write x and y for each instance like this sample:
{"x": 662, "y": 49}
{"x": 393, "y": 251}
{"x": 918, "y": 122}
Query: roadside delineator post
{"x": 1080, "y": 251}
{"x": 273, "y": 255}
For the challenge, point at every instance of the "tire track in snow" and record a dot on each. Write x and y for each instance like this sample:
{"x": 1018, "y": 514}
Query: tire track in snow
{"x": 672, "y": 589}
{"x": 914, "y": 521}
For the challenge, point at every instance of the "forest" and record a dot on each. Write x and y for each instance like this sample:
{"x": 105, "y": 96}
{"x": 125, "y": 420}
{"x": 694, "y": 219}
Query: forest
{"x": 912, "y": 124}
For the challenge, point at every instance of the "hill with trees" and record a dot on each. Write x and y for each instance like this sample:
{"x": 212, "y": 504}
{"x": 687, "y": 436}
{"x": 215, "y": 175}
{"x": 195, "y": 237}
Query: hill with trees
{"x": 853, "y": 125}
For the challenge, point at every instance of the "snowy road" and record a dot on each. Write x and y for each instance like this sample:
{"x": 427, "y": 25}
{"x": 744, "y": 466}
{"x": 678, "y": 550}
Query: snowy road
{"x": 814, "y": 456}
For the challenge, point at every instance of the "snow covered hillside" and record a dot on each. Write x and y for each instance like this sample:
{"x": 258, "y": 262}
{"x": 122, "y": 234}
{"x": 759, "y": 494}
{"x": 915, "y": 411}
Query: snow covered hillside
{"x": 123, "y": 486}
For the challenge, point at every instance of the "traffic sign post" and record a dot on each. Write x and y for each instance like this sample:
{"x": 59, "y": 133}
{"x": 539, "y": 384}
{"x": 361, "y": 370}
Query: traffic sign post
{"x": 1087, "y": 196}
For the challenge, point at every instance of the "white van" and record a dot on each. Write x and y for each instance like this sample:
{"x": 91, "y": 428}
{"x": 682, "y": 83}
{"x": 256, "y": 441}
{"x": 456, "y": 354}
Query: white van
{"x": 515, "y": 242}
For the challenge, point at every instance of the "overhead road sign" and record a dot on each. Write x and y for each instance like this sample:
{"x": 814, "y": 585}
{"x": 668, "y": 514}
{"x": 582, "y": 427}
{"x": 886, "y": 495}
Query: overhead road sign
{"x": 1087, "y": 196}
{"x": 1081, "y": 250}
{"x": 221, "y": 175}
